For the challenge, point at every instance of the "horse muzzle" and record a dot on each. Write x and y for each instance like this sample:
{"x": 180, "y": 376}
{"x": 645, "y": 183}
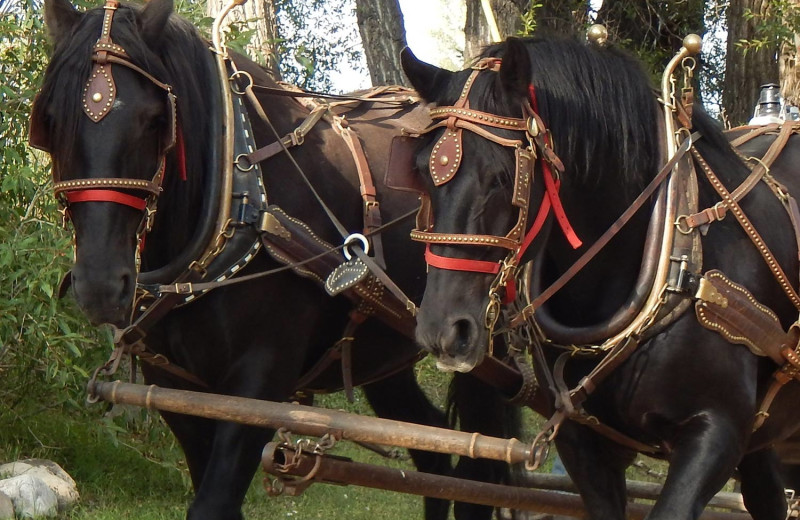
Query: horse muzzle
{"x": 105, "y": 300}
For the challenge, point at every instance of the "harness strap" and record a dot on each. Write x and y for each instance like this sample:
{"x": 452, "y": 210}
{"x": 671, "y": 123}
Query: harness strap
{"x": 601, "y": 242}
{"x": 374, "y": 267}
{"x": 755, "y": 131}
{"x": 107, "y": 196}
{"x": 372, "y": 214}
{"x": 750, "y": 231}
{"x": 293, "y": 138}
{"x": 718, "y": 211}
{"x": 460, "y": 264}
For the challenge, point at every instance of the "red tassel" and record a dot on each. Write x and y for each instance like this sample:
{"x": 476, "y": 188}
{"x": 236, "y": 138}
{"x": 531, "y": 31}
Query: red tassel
{"x": 180, "y": 151}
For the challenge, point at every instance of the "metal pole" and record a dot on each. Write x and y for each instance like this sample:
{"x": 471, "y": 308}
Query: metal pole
{"x": 309, "y": 468}
{"x": 308, "y": 420}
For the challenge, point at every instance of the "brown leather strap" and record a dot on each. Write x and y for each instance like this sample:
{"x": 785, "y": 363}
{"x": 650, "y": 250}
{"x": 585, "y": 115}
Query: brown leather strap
{"x": 601, "y": 242}
{"x": 750, "y": 231}
{"x": 293, "y": 138}
{"x": 372, "y": 214}
{"x": 718, "y": 211}
{"x": 755, "y": 131}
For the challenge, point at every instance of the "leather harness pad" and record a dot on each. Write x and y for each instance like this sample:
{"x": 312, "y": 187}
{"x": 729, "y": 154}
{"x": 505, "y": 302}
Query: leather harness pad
{"x": 446, "y": 156}
{"x": 728, "y": 308}
{"x": 99, "y": 93}
{"x": 401, "y": 172}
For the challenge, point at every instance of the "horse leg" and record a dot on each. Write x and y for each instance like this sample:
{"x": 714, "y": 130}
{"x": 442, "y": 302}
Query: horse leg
{"x": 233, "y": 461}
{"x": 194, "y": 434}
{"x": 762, "y": 485}
{"x": 400, "y": 398}
{"x": 706, "y": 450}
{"x": 481, "y": 408}
{"x": 597, "y": 467}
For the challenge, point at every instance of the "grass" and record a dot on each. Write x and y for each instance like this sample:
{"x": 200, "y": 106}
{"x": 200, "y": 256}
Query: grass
{"x": 128, "y": 465}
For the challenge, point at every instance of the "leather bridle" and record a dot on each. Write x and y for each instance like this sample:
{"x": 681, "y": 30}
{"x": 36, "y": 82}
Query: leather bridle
{"x": 444, "y": 163}
{"x": 98, "y": 98}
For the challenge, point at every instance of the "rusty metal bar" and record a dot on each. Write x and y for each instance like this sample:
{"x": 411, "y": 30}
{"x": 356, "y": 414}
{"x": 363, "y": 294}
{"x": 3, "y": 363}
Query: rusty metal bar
{"x": 280, "y": 461}
{"x": 308, "y": 420}
{"x": 635, "y": 488}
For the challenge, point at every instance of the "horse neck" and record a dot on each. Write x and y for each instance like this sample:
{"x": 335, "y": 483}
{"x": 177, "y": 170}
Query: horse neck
{"x": 186, "y": 206}
{"x": 602, "y": 286}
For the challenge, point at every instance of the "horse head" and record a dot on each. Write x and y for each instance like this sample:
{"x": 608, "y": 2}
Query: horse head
{"x": 518, "y": 146}
{"x": 107, "y": 116}
{"x": 478, "y": 164}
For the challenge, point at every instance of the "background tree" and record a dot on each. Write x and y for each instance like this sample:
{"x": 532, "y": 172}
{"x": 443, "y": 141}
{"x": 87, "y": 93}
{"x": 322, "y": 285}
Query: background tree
{"x": 751, "y": 56}
{"x": 380, "y": 23}
{"x": 256, "y": 22}
{"x": 507, "y": 13}
{"x": 654, "y": 31}
{"x": 560, "y": 17}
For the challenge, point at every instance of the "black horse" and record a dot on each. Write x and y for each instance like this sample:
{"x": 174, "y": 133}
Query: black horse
{"x": 685, "y": 390}
{"x": 255, "y": 339}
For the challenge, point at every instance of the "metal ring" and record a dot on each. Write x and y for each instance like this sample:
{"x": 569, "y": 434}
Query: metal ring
{"x": 682, "y": 221}
{"x": 352, "y": 238}
{"x": 238, "y": 160}
{"x": 232, "y": 79}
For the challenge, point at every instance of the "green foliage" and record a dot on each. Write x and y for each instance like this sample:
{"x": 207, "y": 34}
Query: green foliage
{"x": 775, "y": 26}
{"x": 42, "y": 341}
{"x": 529, "y": 19}
{"x": 315, "y": 41}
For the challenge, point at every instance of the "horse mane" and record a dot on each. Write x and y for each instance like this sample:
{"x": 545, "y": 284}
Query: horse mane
{"x": 599, "y": 105}
{"x": 715, "y": 147}
{"x": 182, "y": 61}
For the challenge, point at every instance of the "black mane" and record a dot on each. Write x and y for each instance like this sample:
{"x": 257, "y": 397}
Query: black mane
{"x": 598, "y": 103}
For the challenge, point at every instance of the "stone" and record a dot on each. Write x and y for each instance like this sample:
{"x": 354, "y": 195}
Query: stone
{"x": 6, "y": 507}
{"x": 50, "y": 473}
{"x": 32, "y": 498}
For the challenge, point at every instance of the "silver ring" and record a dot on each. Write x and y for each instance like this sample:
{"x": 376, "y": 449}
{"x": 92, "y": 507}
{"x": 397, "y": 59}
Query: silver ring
{"x": 352, "y": 238}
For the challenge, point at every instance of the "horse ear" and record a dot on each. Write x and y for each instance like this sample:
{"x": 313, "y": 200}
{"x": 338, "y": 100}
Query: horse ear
{"x": 59, "y": 17}
{"x": 515, "y": 72}
{"x": 154, "y": 18}
{"x": 427, "y": 79}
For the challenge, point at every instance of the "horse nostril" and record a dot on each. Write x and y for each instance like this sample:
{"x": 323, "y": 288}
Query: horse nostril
{"x": 126, "y": 287}
{"x": 461, "y": 336}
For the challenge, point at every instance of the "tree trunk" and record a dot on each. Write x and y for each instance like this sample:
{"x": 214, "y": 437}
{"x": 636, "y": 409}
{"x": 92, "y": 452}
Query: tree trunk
{"x": 746, "y": 71}
{"x": 507, "y": 13}
{"x": 260, "y": 16}
{"x": 787, "y": 62}
{"x": 380, "y": 23}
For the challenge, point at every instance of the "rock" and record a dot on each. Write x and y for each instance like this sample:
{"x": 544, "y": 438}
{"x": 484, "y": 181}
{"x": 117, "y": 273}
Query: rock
{"x": 6, "y": 507}
{"x": 50, "y": 473}
{"x": 32, "y": 498}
